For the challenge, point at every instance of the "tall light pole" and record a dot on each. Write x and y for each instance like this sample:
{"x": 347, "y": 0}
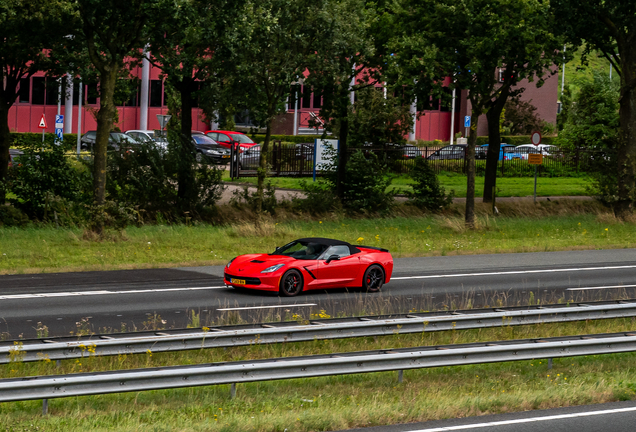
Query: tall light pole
{"x": 563, "y": 74}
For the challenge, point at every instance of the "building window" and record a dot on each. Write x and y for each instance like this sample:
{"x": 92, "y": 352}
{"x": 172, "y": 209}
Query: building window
{"x": 91, "y": 94}
{"x": 155, "y": 93}
{"x": 75, "y": 92}
{"x": 53, "y": 92}
{"x": 37, "y": 97}
{"x": 306, "y": 97}
{"x": 25, "y": 90}
{"x": 317, "y": 100}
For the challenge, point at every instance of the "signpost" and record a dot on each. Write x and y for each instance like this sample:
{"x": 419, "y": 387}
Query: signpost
{"x": 59, "y": 127}
{"x": 535, "y": 159}
{"x": 42, "y": 125}
{"x": 466, "y": 125}
{"x": 163, "y": 120}
{"x": 321, "y": 146}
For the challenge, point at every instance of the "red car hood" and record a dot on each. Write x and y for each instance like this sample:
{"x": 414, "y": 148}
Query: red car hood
{"x": 255, "y": 263}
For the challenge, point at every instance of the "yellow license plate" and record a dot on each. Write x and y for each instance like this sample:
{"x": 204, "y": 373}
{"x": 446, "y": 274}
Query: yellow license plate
{"x": 226, "y": 156}
{"x": 238, "y": 281}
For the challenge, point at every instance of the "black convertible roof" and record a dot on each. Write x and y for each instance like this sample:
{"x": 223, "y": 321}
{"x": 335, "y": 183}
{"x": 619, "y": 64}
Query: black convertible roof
{"x": 329, "y": 242}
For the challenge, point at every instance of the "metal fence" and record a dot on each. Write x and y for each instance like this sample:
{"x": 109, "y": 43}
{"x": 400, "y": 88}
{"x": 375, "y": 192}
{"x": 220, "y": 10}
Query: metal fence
{"x": 297, "y": 160}
{"x": 265, "y": 333}
{"x": 56, "y": 386}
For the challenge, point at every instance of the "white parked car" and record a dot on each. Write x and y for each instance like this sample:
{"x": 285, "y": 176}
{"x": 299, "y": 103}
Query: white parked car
{"x": 526, "y": 149}
{"x": 150, "y": 136}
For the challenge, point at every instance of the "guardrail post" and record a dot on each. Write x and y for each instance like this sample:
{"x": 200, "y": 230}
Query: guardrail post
{"x": 233, "y": 390}
{"x": 549, "y": 363}
{"x": 400, "y": 375}
{"x": 58, "y": 363}
{"x": 45, "y": 407}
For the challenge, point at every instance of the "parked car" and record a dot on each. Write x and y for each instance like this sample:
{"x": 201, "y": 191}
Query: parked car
{"x": 13, "y": 155}
{"x": 250, "y": 158}
{"x": 210, "y": 150}
{"x": 410, "y": 151}
{"x": 526, "y": 149}
{"x": 150, "y": 136}
{"x": 456, "y": 151}
{"x": 506, "y": 152}
{"x": 226, "y": 138}
{"x": 115, "y": 140}
{"x": 305, "y": 151}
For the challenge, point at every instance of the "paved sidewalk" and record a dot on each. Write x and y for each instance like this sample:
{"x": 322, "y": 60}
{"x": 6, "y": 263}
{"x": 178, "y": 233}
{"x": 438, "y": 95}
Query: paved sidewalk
{"x": 288, "y": 194}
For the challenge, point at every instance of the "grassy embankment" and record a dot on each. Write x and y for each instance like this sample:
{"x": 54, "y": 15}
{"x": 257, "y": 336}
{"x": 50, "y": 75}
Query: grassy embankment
{"x": 522, "y": 227}
{"x": 506, "y": 186}
{"x": 332, "y": 403}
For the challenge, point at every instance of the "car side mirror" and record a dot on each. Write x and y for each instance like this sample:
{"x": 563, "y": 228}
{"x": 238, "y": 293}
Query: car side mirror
{"x": 333, "y": 258}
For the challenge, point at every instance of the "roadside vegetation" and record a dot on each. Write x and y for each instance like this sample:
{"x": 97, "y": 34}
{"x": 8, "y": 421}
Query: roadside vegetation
{"x": 520, "y": 227}
{"x": 339, "y": 402}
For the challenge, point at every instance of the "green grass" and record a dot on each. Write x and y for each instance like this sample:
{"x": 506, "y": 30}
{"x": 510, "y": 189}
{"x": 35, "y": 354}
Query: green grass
{"x": 506, "y": 186}
{"x": 523, "y": 227}
{"x": 339, "y": 402}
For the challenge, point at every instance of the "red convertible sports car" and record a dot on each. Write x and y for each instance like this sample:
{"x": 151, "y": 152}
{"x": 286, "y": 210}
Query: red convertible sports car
{"x": 312, "y": 263}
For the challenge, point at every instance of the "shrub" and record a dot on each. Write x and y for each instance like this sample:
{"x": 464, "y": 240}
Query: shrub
{"x": 427, "y": 192}
{"x": 12, "y": 217}
{"x": 365, "y": 188}
{"x": 43, "y": 173}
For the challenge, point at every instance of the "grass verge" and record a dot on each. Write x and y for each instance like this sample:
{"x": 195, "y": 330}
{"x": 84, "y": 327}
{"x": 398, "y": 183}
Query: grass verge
{"x": 522, "y": 227}
{"x": 341, "y": 402}
{"x": 506, "y": 186}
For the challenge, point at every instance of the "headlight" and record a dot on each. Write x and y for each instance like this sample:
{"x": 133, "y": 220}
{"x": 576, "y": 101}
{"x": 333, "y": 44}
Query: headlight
{"x": 212, "y": 152}
{"x": 273, "y": 268}
{"x": 228, "y": 264}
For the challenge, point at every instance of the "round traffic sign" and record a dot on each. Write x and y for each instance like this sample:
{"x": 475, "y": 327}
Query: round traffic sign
{"x": 536, "y": 138}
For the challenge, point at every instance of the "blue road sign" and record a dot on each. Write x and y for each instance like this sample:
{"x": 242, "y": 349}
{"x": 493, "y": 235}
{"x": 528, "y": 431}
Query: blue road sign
{"x": 59, "y": 126}
{"x": 467, "y": 121}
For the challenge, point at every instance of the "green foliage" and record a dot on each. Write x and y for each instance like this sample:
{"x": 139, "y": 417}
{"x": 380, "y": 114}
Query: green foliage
{"x": 427, "y": 192}
{"x": 251, "y": 199}
{"x": 377, "y": 120}
{"x": 42, "y": 173}
{"x": 12, "y": 217}
{"x": 320, "y": 197}
{"x": 145, "y": 179}
{"x": 520, "y": 117}
{"x": 365, "y": 187}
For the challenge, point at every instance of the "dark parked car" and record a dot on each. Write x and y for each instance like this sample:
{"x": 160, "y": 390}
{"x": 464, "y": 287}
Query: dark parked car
{"x": 115, "y": 140}
{"x": 209, "y": 150}
{"x": 456, "y": 151}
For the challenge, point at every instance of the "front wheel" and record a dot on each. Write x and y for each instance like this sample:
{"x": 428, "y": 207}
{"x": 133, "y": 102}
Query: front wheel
{"x": 373, "y": 278}
{"x": 291, "y": 284}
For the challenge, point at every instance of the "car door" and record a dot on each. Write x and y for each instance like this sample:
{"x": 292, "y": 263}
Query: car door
{"x": 338, "y": 273}
{"x": 223, "y": 139}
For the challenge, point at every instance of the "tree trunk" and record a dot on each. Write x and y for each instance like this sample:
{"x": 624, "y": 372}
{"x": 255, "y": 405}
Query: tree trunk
{"x": 470, "y": 171}
{"x": 187, "y": 156}
{"x": 261, "y": 174}
{"x": 626, "y": 152}
{"x": 343, "y": 149}
{"x": 105, "y": 117}
{"x": 494, "y": 144}
{"x": 5, "y": 143}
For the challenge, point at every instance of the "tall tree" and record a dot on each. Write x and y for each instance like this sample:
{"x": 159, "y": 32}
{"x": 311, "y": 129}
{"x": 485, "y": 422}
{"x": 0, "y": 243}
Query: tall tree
{"x": 109, "y": 32}
{"x": 190, "y": 41}
{"x": 23, "y": 52}
{"x": 609, "y": 26}
{"x": 340, "y": 66}
{"x": 283, "y": 34}
{"x": 469, "y": 41}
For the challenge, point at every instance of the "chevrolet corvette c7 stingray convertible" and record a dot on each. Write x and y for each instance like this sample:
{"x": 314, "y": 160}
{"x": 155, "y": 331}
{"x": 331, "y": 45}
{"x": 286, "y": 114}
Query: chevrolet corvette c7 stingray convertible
{"x": 311, "y": 263}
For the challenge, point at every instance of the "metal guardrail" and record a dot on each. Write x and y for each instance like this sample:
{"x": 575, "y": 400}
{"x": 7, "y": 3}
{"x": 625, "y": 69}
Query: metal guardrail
{"x": 187, "y": 339}
{"x": 45, "y": 387}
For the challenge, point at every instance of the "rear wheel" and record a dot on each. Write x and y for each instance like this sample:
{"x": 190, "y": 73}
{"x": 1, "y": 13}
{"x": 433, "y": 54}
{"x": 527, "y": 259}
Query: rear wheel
{"x": 200, "y": 158}
{"x": 373, "y": 278}
{"x": 291, "y": 283}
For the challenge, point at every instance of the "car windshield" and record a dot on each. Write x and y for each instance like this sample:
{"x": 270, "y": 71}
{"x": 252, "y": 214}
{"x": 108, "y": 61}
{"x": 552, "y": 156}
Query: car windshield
{"x": 119, "y": 137}
{"x": 203, "y": 139}
{"x": 303, "y": 250}
{"x": 242, "y": 139}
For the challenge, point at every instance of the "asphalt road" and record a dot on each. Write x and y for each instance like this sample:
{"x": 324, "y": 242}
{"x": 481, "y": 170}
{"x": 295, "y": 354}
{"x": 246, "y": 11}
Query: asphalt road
{"x": 147, "y": 299}
{"x": 615, "y": 417}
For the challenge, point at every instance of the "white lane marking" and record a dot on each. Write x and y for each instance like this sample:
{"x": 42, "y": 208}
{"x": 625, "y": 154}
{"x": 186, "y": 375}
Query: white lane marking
{"x": 267, "y": 307}
{"x": 102, "y": 292}
{"x": 527, "y": 420}
{"x": 514, "y": 272}
{"x": 601, "y": 287}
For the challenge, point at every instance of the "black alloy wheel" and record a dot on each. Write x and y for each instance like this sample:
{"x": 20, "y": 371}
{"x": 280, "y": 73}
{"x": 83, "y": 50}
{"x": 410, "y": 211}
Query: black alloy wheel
{"x": 373, "y": 278}
{"x": 291, "y": 284}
